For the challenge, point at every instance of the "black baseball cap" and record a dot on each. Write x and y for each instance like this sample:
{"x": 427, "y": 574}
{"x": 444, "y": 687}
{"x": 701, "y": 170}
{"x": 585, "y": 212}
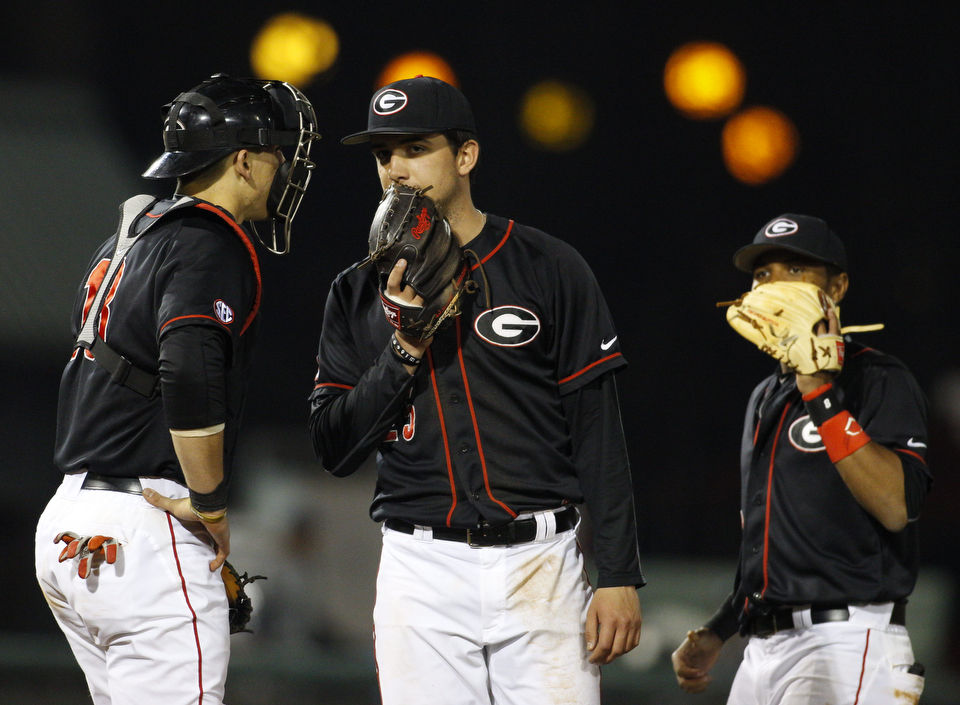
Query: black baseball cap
{"x": 802, "y": 234}
{"x": 415, "y": 106}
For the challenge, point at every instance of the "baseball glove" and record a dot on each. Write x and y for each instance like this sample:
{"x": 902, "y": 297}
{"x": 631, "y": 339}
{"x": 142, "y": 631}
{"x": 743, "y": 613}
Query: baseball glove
{"x": 781, "y": 319}
{"x": 408, "y": 225}
{"x": 241, "y": 607}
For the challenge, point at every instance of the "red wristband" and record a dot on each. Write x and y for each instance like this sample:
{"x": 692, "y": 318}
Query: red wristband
{"x": 842, "y": 435}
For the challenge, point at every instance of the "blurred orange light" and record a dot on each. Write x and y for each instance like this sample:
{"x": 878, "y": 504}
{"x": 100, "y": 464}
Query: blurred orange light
{"x": 759, "y": 143}
{"x": 293, "y": 47}
{"x": 417, "y": 63}
{"x": 556, "y": 115}
{"x": 704, "y": 80}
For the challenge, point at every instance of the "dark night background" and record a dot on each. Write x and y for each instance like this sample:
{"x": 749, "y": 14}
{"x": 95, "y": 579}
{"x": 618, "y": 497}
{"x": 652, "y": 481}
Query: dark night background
{"x": 871, "y": 87}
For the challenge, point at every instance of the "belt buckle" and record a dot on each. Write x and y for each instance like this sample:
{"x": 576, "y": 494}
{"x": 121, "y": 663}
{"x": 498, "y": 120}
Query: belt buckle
{"x": 476, "y": 535}
{"x": 484, "y": 536}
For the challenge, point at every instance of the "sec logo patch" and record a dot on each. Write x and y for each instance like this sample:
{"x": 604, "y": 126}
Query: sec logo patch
{"x": 223, "y": 311}
{"x": 805, "y": 436}
{"x": 507, "y": 326}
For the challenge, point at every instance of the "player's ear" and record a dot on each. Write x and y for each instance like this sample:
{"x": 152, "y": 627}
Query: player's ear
{"x": 837, "y": 286}
{"x": 467, "y": 157}
{"x": 241, "y": 162}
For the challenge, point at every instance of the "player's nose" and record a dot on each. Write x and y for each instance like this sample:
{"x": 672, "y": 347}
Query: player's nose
{"x": 396, "y": 169}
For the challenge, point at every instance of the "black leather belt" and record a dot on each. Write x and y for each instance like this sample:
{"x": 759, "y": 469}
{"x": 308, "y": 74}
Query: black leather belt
{"x": 514, "y": 532}
{"x": 130, "y": 485}
{"x": 764, "y": 625}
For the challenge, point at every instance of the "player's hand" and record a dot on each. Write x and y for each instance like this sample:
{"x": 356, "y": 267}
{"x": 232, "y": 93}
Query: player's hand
{"x": 613, "y": 623}
{"x": 180, "y": 508}
{"x": 407, "y": 295}
{"x": 395, "y": 288}
{"x": 694, "y": 658}
{"x": 807, "y": 383}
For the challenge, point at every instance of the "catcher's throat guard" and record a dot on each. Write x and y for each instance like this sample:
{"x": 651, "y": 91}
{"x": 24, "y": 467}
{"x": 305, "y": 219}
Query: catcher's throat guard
{"x": 291, "y": 179}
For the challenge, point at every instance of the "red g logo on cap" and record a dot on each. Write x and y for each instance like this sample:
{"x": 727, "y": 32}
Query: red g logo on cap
{"x": 780, "y": 227}
{"x": 389, "y": 101}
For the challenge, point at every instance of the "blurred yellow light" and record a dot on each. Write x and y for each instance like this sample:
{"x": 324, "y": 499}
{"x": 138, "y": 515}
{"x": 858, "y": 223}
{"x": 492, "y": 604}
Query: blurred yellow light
{"x": 556, "y": 116}
{"x": 759, "y": 143}
{"x": 293, "y": 47}
{"x": 417, "y": 63}
{"x": 704, "y": 80}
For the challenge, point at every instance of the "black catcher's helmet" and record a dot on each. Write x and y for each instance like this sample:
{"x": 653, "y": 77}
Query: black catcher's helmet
{"x": 224, "y": 114}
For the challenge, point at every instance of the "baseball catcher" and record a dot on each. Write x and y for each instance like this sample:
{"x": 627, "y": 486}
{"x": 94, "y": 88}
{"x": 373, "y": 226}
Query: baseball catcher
{"x": 408, "y": 225}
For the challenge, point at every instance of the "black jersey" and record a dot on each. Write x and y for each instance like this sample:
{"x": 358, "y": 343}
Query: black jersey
{"x": 806, "y": 540}
{"x": 480, "y": 432}
{"x": 195, "y": 266}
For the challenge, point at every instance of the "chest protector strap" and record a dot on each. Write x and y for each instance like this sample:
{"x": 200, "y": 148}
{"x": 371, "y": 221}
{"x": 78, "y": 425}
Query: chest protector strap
{"x": 131, "y": 228}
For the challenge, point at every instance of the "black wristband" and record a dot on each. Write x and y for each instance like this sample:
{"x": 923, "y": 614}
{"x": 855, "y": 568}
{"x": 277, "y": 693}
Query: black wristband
{"x": 824, "y": 406}
{"x": 401, "y": 353}
{"x": 210, "y": 501}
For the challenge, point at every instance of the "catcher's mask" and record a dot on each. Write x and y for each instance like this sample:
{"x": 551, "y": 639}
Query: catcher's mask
{"x": 224, "y": 114}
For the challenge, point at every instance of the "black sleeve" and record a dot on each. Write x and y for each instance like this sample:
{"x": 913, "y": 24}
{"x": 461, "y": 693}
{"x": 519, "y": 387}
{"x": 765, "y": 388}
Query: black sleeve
{"x": 193, "y": 362}
{"x": 600, "y": 456}
{"x": 725, "y": 622}
{"x": 347, "y": 424}
{"x": 357, "y": 396}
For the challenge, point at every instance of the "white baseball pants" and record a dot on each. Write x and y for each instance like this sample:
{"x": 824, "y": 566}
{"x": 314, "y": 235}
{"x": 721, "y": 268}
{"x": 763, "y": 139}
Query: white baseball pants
{"x": 483, "y": 626}
{"x": 152, "y": 628}
{"x": 860, "y": 662}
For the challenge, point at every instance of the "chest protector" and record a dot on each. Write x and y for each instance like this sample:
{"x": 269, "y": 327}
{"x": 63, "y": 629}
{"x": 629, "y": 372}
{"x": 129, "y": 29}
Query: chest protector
{"x": 132, "y": 227}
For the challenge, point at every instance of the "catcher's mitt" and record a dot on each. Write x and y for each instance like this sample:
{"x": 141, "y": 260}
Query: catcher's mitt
{"x": 781, "y": 319}
{"x": 241, "y": 607}
{"x": 408, "y": 225}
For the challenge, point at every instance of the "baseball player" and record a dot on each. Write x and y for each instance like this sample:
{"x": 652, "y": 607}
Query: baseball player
{"x": 833, "y": 476}
{"x": 128, "y": 550}
{"x": 488, "y": 433}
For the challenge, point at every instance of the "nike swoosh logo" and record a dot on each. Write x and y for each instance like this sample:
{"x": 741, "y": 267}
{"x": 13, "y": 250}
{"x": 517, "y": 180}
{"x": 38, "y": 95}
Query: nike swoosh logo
{"x": 915, "y": 444}
{"x": 605, "y": 344}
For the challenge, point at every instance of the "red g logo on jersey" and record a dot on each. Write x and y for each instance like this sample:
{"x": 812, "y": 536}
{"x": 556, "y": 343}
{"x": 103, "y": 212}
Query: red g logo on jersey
{"x": 507, "y": 326}
{"x": 223, "y": 311}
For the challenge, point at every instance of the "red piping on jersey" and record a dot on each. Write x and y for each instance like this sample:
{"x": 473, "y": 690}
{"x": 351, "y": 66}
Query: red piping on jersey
{"x": 494, "y": 250}
{"x": 476, "y": 428}
{"x": 443, "y": 434}
{"x": 192, "y": 315}
{"x": 183, "y": 586}
{"x": 766, "y": 519}
{"x": 910, "y": 452}
{"x": 863, "y": 667}
{"x": 333, "y": 384}
{"x": 592, "y": 364}
{"x": 253, "y": 259}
